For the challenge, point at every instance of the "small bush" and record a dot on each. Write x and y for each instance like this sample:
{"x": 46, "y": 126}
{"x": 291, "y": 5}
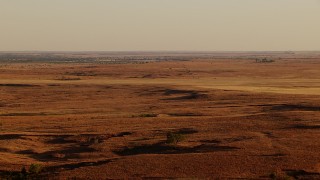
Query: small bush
{"x": 24, "y": 170}
{"x": 174, "y": 138}
{"x": 94, "y": 140}
{"x": 35, "y": 168}
{"x": 23, "y": 174}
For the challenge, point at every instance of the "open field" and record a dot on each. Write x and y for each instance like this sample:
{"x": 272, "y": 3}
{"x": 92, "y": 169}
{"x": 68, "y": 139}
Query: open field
{"x": 93, "y": 120}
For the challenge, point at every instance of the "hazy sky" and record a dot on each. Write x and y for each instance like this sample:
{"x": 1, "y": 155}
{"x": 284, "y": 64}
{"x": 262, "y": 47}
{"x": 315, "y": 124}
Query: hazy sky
{"x": 200, "y": 25}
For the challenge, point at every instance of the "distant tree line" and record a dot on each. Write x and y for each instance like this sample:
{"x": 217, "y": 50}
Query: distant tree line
{"x": 264, "y": 60}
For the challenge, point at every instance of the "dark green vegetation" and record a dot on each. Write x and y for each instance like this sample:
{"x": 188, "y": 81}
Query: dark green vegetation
{"x": 33, "y": 173}
{"x": 175, "y": 138}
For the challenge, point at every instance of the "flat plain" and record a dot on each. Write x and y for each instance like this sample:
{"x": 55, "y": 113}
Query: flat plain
{"x": 240, "y": 119}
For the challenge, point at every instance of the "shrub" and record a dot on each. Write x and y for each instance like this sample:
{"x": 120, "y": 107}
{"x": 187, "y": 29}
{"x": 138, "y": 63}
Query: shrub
{"x": 174, "y": 138}
{"x": 94, "y": 140}
{"x": 33, "y": 173}
{"x": 35, "y": 168}
{"x": 23, "y": 174}
{"x": 279, "y": 176}
{"x": 23, "y": 170}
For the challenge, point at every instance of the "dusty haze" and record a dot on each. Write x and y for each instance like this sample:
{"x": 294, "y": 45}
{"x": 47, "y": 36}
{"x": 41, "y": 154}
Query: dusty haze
{"x": 115, "y": 25}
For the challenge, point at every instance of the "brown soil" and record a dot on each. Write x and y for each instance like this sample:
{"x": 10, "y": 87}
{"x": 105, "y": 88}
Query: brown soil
{"x": 239, "y": 119}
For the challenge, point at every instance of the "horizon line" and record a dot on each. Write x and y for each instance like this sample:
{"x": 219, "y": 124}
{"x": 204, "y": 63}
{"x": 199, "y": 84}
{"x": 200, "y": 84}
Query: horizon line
{"x": 156, "y": 51}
